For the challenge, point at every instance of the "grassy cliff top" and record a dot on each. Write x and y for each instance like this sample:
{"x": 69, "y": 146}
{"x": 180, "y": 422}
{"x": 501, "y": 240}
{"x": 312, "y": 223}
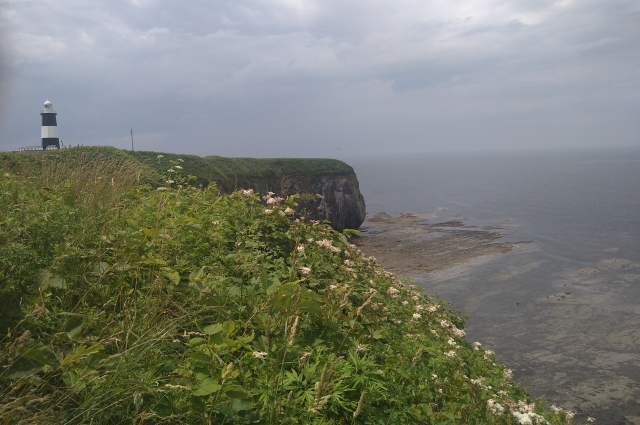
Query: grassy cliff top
{"x": 205, "y": 169}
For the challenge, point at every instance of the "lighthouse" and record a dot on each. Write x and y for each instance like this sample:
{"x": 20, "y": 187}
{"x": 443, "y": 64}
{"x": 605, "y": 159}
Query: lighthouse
{"x": 49, "y": 127}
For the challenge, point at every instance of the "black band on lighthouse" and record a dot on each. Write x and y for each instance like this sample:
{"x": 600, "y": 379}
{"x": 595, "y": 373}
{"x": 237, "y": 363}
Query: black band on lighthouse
{"x": 49, "y": 119}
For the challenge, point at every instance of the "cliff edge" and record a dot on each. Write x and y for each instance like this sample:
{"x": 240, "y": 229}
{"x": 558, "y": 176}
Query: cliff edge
{"x": 341, "y": 201}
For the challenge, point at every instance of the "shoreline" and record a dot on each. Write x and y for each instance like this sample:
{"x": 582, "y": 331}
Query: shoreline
{"x": 557, "y": 328}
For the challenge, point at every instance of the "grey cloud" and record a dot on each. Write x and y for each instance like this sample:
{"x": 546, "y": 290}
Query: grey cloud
{"x": 293, "y": 77}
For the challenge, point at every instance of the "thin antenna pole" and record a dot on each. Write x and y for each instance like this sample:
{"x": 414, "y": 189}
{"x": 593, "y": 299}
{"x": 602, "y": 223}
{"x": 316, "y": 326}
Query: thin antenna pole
{"x": 132, "y": 140}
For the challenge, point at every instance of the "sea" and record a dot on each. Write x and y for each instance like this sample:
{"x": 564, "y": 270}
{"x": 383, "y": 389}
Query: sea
{"x": 562, "y": 309}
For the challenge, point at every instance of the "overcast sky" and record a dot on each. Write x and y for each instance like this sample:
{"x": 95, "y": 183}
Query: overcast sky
{"x": 332, "y": 78}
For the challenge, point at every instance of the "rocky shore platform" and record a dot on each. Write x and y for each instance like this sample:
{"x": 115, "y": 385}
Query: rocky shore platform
{"x": 570, "y": 334}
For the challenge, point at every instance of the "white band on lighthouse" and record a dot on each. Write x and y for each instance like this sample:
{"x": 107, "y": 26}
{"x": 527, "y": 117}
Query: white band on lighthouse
{"x": 49, "y": 132}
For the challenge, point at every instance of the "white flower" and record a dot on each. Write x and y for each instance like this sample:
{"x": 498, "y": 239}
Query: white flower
{"x": 433, "y": 308}
{"x": 333, "y": 287}
{"x": 451, "y": 342}
{"x": 419, "y": 307}
{"x": 160, "y": 156}
{"x": 405, "y": 302}
{"x": 495, "y": 408}
{"x": 451, "y": 354}
{"x": 304, "y": 270}
{"x": 247, "y": 192}
{"x": 289, "y": 211}
{"x": 529, "y": 418}
{"x": 349, "y": 263}
{"x": 476, "y": 345}
{"x": 392, "y": 292}
{"x": 259, "y": 354}
{"x": 508, "y": 374}
{"x": 361, "y": 348}
{"x": 180, "y": 160}
{"x": 591, "y": 420}
{"x": 300, "y": 249}
{"x": 215, "y": 223}
{"x": 178, "y": 167}
{"x": 458, "y": 332}
{"x": 555, "y": 409}
{"x": 570, "y": 414}
{"x": 267, "y": 212}
{"x": 416, "y": 316}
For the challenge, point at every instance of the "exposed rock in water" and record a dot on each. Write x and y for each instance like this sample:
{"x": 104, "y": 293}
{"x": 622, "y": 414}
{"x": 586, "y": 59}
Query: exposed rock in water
{"x": 341, "y": 202}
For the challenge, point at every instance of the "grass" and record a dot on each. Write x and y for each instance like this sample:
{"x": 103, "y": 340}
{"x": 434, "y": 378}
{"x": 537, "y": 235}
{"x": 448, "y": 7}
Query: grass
{"x": 126, "y": 304}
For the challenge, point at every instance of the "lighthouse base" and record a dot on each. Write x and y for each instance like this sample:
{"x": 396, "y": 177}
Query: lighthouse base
{"x": 50, "y": 143}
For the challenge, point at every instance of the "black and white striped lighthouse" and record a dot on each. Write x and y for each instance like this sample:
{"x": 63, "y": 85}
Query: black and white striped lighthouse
{"x": 49, "y": 127}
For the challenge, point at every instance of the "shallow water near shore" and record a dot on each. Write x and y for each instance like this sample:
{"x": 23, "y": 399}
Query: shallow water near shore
{"x": 541, "y": 250}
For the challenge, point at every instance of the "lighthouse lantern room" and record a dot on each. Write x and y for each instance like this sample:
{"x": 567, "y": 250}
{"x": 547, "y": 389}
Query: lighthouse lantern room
{"x": 49, "y": 127}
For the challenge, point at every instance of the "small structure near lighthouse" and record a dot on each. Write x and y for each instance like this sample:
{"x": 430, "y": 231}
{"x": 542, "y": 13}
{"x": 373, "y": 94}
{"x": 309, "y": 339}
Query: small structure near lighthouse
{"x": 49, "y": 127}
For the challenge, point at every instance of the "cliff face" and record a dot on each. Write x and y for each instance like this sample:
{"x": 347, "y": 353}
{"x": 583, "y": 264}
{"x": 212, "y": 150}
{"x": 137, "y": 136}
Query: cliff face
{"x": 341, "y": 203}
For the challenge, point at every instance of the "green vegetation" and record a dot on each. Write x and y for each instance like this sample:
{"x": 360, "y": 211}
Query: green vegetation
{"x": 224, "y": 171}
{"x": 123, "y": 304}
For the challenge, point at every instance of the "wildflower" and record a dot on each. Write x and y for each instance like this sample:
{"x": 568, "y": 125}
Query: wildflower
{"x": 433, "y": 308}
{"x": 488, "y": 353}
{"x": 333, "y": 287}
{"x": 451, "y": 342}
{"x": 304, "y": 270}
{"x": 416, "y": 316}
{"x": 178, "y": 167}
{"x": 555, "y": 409}
{"x": 267, "y": 212}
{"x": 178, "y": 387}
{"x": 415, "y": 297}
{"x": 310, "y": 240}
{"x": 419, "y": 307}
{"x": 405, "y": 302}
{"x": 215, "y": 223}
{"x": 160, "y": 156}
{"x": 259, "y": 355}
{"x": 476, "y": 345}
{"x": 451, "y": 354}
{"x": 361, "y": 348}
{"x": 445, "y": 323}
{"x": 170, "y": 181}
{"x": 392, "y": 292}
{"x": 247, "y": 192}
{"x": 494, "y": 407}
{"x": 570, "y": 414}
{"x": 180, "y": 160}
{"x": 524, "y": 407}
{"x": 458, "y": 332}
{"x": 289, "y": 211}
{"x": 529, "y": 418}
{"x": 300, "y": 249}
{"x": 508, "y": 374}
{"x": 591, "y": 420}
{"x": 171, "y": 170}
{"x": 319, "y": 404}
{"x": 349, "y": 263}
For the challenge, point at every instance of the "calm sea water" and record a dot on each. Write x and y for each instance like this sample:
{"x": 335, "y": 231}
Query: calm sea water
{"x": 574, "y": 202}
{"x": 581, "y": 211}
